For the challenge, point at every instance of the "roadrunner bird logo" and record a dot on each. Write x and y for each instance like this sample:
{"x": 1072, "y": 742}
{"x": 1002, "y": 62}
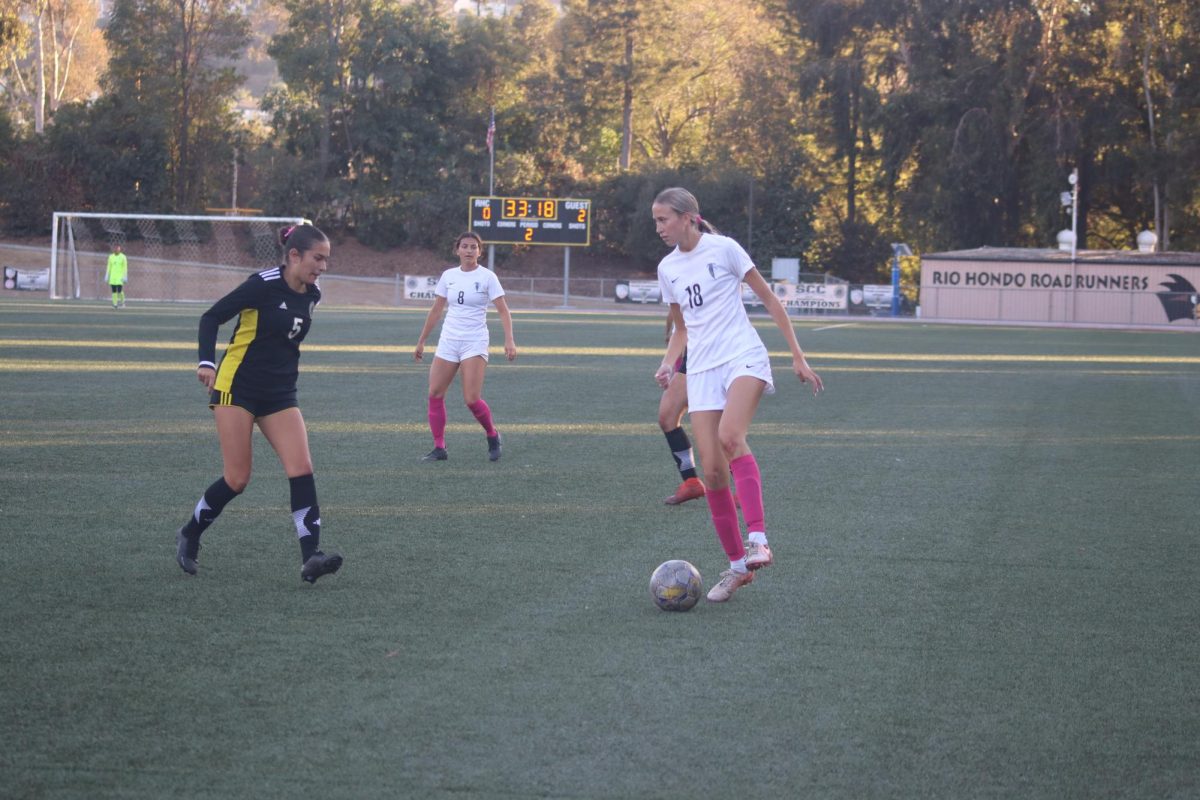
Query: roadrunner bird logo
{"x": 1179, "y": 299}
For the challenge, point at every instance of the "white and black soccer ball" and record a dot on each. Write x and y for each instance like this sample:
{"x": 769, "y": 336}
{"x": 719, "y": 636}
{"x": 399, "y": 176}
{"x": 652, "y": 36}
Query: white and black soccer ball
{"x": 676, "y": 585}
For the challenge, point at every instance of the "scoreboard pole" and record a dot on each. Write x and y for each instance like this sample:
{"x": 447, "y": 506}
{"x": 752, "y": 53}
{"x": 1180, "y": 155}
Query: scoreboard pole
{"x": 566, "y": 278}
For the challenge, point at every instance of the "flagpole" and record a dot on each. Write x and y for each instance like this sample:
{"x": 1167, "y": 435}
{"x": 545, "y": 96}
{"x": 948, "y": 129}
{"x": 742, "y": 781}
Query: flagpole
{"x": 491, "y": 261}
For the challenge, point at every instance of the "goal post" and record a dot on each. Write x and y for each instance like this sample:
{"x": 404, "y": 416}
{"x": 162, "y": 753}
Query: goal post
{"x": 171, "y": 257}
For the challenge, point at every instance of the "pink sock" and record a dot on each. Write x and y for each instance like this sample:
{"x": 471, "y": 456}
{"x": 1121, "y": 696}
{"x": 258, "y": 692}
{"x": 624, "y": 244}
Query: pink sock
{"x": 748, "y": 480}
{"x": 437, "y": 420}
{"x": 725, "y": 520}
{"x": 484, "y": 414}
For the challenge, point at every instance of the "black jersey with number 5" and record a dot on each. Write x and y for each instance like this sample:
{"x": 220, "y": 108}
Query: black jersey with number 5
{"x": 264, "y": 352}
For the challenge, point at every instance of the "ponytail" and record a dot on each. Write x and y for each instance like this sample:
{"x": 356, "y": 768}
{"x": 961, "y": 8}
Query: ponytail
{"x": 300, "y": 237}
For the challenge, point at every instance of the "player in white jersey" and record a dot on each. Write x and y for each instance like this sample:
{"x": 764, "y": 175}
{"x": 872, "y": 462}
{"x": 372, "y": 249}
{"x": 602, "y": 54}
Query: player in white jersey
{"x": 728, "y": 370}
{"x": 464, "y": 293}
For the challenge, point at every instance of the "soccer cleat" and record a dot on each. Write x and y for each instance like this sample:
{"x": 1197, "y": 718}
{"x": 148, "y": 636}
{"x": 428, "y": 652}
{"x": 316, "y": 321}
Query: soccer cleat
{"x": 688, "y": 490}
{"x": 436, "y": 454}
{"x": 319, "y": 564}
{"x": 185, "y": 553}
{"x": 758, "y": 555}
{"x": 730, "y": 582}
{"x": 494, "y": 447}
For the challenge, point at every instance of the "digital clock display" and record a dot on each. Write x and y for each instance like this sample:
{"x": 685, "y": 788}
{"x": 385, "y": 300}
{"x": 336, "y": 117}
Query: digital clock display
{"x": 565, "y": 222}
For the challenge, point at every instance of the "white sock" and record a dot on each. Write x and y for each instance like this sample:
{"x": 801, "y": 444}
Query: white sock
{"x": 738, "y": 566}
{"x": 758, "y": 537}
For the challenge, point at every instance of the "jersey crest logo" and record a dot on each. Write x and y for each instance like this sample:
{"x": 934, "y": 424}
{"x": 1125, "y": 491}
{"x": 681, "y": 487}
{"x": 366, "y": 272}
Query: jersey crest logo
{"x": 477, "y": 286}
{"x": 712, "y": 271}
{"x": 283, "y": 306}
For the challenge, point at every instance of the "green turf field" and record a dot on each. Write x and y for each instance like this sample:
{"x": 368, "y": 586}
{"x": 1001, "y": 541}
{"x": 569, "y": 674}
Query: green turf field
{"x": 985, "y": 581}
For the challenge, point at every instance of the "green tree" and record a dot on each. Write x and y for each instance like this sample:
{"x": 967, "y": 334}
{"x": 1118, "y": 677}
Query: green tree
{"x": 172, "y": 61}
{"x": 962, "y": 129}
{"x": 55, "y": 55}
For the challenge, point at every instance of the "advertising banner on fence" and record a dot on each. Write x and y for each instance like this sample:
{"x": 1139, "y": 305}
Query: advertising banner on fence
{"x": 419, "y": 287}
{"x": 812, "y": 296}
{"x": 32, "y": 280}
{"x": 866, "y": 298}
{"x": 637, "y": 292}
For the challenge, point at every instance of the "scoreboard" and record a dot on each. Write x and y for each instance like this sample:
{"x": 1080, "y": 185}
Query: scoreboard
{"x": 564, "y": 222}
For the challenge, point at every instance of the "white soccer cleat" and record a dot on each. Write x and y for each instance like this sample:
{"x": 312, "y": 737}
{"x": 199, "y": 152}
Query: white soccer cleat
{"x": 730, "y": 582}
{"x": 758, "y": 556}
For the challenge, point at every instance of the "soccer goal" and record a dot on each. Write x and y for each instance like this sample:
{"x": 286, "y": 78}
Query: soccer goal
{"x": 171, "y": 258}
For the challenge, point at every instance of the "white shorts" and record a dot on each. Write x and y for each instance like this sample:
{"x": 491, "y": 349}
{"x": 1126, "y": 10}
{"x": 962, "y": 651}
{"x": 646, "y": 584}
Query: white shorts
{"x": 708, "y": 388}
{"x": 456, "y": 350}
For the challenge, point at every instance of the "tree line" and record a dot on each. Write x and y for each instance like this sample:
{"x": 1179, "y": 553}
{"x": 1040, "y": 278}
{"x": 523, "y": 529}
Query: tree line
{"x": 819, "y": 129}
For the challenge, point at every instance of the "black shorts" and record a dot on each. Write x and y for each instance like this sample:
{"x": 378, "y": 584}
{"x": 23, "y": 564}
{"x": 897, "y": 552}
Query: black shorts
{"x": 117, "y": 287}
{"x": 258, "y": 405}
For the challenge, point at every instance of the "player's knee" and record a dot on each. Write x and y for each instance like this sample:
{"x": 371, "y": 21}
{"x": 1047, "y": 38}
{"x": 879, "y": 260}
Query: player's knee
{"x": 238, "y": 481}
{"x": 731, "y": 444}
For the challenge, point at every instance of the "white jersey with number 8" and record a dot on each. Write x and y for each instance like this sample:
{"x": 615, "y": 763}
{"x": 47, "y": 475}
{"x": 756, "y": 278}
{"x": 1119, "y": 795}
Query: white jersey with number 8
{"x": 467, "y": 297}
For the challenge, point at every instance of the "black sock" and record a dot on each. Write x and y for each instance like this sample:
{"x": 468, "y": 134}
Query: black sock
{"x": 306, "y": 514}
{"x": 681, "y": 451}
{"x": 212, "y": 502}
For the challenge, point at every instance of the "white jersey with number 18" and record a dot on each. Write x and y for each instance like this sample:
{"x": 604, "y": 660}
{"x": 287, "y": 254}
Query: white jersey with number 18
{"x": 706, "y": 282}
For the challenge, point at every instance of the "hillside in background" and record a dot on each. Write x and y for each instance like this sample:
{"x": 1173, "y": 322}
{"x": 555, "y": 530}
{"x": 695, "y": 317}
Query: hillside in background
{"x": 352, "y": 258}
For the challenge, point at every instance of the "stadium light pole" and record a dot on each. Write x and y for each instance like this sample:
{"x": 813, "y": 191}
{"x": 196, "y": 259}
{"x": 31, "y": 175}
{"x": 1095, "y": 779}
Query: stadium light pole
{"x": 898, "y": 249}
{"x": 1073, "y": 179}
{"x": 491, "y": 145}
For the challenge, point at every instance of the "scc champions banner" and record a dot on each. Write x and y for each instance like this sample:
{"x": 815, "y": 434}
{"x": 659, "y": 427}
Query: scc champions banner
{"x": 419, "y": 287}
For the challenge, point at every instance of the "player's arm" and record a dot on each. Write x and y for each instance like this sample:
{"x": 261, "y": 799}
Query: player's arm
{"x": 510, "y": 344}
{"x": 800, "y": 367}
{"x": 675, "y": 346}
{"x": 435, "y": 313}
{"x": 245, "y": 296}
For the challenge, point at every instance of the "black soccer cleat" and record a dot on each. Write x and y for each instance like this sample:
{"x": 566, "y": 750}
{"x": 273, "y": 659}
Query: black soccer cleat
{"x": 319, "y": 564}
{"x": 436, "y": 454}
{"x": 494, "y": 447}
{"x": 186, "y": 552}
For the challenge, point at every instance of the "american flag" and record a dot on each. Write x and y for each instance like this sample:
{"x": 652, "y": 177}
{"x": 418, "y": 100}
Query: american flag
{"x": 491, "y": 134}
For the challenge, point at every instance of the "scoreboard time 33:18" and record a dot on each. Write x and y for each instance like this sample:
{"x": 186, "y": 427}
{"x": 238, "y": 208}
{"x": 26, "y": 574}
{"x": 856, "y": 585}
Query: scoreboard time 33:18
{"x": 564, "y": 222}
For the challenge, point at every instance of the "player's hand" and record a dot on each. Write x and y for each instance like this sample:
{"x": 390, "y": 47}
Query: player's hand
{"x": 664, "y": 374}
{"x": 207, "y": 376}
{"x": 806, "y": 374}
{"x": 419, "y": 352}
{"x": 510, "y": 351}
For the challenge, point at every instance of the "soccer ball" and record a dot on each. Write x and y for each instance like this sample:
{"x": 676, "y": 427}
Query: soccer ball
{"x": 675, "y": 586}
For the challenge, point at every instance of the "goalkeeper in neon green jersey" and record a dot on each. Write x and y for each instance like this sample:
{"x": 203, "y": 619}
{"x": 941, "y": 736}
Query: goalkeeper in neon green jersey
{"x": 116, "y": 274}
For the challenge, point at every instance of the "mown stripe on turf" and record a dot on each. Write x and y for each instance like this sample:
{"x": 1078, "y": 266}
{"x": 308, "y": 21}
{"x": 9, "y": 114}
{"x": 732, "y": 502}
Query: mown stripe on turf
{"x": 814, "y": 356}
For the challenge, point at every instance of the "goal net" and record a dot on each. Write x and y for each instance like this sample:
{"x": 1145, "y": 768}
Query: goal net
{"x": 172, "y": 258}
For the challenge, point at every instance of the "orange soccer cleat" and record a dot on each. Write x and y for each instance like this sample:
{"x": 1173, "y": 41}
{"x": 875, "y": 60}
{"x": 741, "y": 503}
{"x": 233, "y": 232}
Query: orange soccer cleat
{"x": 688, "y": 490}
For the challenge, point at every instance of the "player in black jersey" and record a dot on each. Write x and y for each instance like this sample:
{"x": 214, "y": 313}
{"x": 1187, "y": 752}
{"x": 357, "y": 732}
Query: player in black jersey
{"x": 256, "y": 382}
